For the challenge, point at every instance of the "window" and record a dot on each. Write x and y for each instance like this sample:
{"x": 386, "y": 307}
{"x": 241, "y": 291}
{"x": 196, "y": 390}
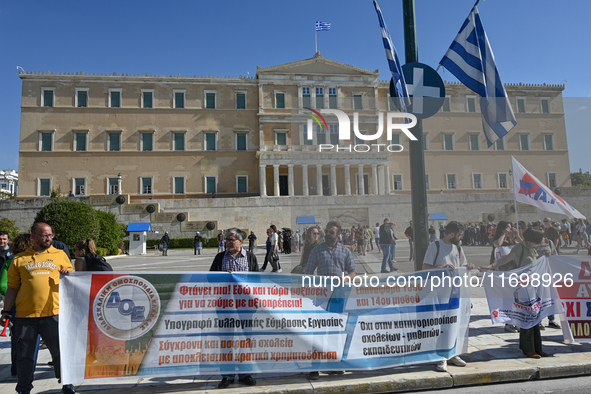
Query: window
{"x": 47, "y": 97}
{"x": 446, "y": 107}
{"x": 334, "y": 134}
{"x": 551, "y": 179}
{"x": 114, "y": 142}
{"x": 320, "y": 135}
{"x": 451, "y": 181}
{"x": 545, "y": 105}
{"x": 210, "y": 141}
{"x": 448, "y": 142}
{"x": 477, "y": 181}
{"x": 210, "y": 100}
{"x": 319, "y": 97}
{"x": 427, "y": 183}
{"x": 179, "y": 99}
{"x": 281, "y": 138}
{"x": 115, "y": 98}
{"x": 397, "y": 178}
{"x": 241, "y": 141}
{"x": 46, "y": 141}
{"x": 395, "y": 139}
{"x": 500, "y": 144}
{"x": 305, "y": 136}
{"x": 280, "y": 100}
{"x": 240, "y": 100}
{"x": 81, "y": 98}
{"x": 521, "y": 105}
{"x": 178, "y": 141}
{"x": 179, "y": 185}
{"x": 79, "y": 186}
{"x": 425, "y": 140}
{"x": 44, "y": 187}
{"x": 474, "y": 142}
{"x": 147, "y": 99}
{"x": 471, "y": 103}
{"x": 548, "y": 142}
{"x": 524, "y": 141}
{"x": 502, "y": 181}
{"x": 113, "y": 186}
{"x": 210, "y": 184}
{"x": 147, "y": 142}
{"x": 242, "y": 184}
{"x": 357, "y": 101}
{"x": 306, "y": 101}
{"x": 80, "y": 142}
{"x": 146, "y": 185}
{"x": 332, "y": 98}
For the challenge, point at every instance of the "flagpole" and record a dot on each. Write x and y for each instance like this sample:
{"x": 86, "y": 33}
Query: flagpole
{"x": 316, "y": 37}
{"x": 512, "y": 171}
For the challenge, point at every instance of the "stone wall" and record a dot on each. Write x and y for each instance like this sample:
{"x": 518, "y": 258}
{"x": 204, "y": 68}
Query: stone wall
{"x": 257, "y": 213}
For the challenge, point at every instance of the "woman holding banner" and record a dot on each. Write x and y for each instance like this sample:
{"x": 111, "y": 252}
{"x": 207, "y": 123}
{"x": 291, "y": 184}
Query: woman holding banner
{"x": 524, "y": 253}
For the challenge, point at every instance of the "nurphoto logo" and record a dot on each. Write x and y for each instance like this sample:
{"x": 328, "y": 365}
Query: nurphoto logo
{"x": 344, "y": 131}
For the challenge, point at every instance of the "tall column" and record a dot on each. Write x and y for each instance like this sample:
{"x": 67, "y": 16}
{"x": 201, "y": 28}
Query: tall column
{"x": 290, "y": 190}
{"x": 374, "y": 178}
{"x": 318, "y": 179}
{"x": 263, "y": 180}
{"x": 347, "y": 180}
{"x": 381, "y": 180}
{"x": 276, "y": 180}
{"x": 387, "y": 178}
{"x": 305, "y": 179}
{"x": 333, "y": 180}
{"x": 361, "y": 188}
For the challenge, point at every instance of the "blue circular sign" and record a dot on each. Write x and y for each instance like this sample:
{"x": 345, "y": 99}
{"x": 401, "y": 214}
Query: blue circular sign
{"x": 425, "y": 88}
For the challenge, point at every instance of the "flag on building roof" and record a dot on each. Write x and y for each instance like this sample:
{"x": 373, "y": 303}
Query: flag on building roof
{"x": 320, "y": 26}
{"x": 529, "y": 190}
{"x": 471, "y": 60}
{"x": 393, "y": 63}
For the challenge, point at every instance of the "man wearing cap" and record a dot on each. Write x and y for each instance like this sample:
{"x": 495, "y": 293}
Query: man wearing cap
{"x": 410, "y": 234}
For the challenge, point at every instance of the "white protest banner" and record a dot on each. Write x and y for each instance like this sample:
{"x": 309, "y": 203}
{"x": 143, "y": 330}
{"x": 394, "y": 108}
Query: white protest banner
{"x": 115, "y": 325}
{"x": 524, "y": 296}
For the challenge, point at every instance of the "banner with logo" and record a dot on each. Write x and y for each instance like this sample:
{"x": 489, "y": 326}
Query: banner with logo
{"x": 529, "y": 190}
{"x": 115, "y": 325}
{"x": 576, "y": 298}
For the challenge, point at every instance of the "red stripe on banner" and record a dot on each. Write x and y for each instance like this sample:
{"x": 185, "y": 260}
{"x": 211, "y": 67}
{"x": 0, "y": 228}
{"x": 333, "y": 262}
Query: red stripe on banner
{"x": 577, "y": 290}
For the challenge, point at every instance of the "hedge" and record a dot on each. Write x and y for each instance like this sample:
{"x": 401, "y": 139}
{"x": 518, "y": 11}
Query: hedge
{"x": 186, "y": 243}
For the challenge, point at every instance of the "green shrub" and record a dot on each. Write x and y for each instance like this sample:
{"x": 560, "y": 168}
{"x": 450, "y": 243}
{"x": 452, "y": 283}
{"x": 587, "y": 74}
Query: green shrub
{"x": 213, "y": 243}
{"x": 10, "y": 226}
{"x": 111, "y": 233}
{"x": 71, "y": 221}
{"x": 102, "y": 251}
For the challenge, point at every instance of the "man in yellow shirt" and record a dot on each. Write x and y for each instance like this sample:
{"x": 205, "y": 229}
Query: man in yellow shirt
{"x": 33, "y": 281}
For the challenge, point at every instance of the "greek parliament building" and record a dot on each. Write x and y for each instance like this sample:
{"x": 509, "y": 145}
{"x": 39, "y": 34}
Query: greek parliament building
{"x": 193, "y": 139}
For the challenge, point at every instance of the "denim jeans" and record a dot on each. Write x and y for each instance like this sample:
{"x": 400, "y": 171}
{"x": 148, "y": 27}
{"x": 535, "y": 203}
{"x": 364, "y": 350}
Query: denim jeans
{"x": 387, "y": 259}
{"x": 393, "y": 251}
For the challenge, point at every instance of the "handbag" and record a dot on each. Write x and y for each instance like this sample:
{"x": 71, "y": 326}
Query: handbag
{"x": 275, "y": 257}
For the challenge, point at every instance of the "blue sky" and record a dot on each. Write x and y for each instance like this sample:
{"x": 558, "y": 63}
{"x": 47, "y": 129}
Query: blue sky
{"x": 534, "y": 41}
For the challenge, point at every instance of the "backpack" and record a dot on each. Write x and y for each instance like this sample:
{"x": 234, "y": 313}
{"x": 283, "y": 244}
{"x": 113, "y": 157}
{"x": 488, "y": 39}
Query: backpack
{"x": 94, "y": 262}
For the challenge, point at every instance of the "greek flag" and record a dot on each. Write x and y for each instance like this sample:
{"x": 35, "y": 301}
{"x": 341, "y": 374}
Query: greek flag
{"x": 393, "y": 63}
{"x": 471, "y": 60}
{"x": 320, "y": 26}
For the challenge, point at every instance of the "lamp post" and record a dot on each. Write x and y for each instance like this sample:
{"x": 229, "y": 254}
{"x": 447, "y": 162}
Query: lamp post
{"x": 119, "y": 181}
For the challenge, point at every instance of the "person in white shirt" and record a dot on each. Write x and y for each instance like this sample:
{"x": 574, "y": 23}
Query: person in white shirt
{"x": 447, "y": 253}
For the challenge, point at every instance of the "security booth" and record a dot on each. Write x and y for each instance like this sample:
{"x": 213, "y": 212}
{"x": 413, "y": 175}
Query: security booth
{"x": 305, "y": 221}
{"x": 138, "y": 234}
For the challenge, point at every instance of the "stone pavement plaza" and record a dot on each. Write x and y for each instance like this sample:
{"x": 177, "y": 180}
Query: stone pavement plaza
{"x": 493, "y": 354}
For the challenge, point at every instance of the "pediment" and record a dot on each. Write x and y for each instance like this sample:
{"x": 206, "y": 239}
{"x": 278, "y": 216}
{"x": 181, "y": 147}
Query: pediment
{"x": 317, "y": 65}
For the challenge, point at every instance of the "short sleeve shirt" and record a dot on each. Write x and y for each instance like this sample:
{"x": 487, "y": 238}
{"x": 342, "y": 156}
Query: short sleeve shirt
{"x": 448, "y": 254}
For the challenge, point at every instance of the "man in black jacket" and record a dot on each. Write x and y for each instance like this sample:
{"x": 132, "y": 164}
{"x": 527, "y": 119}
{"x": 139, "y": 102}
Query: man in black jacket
{"x": 235, "y": 259}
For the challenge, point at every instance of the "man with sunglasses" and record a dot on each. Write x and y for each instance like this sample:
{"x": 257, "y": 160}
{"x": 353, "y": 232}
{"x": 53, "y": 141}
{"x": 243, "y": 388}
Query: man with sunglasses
{"x": 235, "y": 259}
{"x": 33, "y": 282}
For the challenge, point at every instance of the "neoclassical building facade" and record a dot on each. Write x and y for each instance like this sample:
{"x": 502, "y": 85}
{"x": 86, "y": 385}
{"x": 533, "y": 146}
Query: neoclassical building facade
{"x": 165, "y": 136}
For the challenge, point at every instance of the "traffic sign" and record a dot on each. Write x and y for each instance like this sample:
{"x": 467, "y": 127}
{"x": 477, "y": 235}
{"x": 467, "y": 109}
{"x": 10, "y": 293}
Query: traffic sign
{"x": 425, "y": 88}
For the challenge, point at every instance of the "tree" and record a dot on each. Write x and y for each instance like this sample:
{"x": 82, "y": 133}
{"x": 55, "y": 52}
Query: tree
{"x": 71, "y": 221}
{"x": 580, "y": 179}
{"x": 10, "y": 226}
{"x": 111, "y": 232}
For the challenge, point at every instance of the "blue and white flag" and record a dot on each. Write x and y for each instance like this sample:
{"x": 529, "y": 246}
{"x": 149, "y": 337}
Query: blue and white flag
{"x": 471, "y": 60}
{"x": 393, "y": 63}
{"x": 320, "y": 26}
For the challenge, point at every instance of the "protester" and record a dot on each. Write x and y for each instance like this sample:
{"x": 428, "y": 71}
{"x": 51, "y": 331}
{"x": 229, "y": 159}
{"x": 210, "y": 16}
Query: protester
{"x": 165, "y": 241}
{"x": 252, "y": 240}
{"x": 386, "y": 242}
{"x": 431, "y": 234}
{"x": 221, "y": 241}
{"x": 447, "y": 253}
{"x": 410, "y": 234}
{"x": 83, "y": 250}
{"x": 36, "y": 293}
{"x": 530, "y": 339}
{"x": 310, "y": 242}
{"x": 551, "y": 233}
{"x": 235, "y": 259}
{"x": 287, "y": 242}
{"x": 376, "y": 235}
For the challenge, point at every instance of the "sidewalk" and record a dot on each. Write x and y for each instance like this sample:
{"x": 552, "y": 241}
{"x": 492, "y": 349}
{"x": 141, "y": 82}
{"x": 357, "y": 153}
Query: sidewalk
{"x": 493, "y": 357}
